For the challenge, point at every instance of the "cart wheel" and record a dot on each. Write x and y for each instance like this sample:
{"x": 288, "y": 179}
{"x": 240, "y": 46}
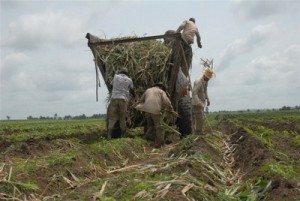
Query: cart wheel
{"x": 184, "y": 121}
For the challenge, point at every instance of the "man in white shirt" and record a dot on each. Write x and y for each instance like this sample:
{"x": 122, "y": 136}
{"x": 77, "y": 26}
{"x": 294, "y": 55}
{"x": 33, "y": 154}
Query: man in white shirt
{"x": 189, "y": 31}
{"x": 122, "y": 86}
{"x": 200, "y": 100}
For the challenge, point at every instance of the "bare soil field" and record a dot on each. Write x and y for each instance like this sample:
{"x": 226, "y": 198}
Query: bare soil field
{"x": 229, "y": 163}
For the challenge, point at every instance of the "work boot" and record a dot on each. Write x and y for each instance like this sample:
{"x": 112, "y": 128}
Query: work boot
{"x": 109, "y": 134}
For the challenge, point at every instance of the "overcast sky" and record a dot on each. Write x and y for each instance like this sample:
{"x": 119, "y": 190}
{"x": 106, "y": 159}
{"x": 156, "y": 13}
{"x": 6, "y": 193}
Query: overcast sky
{"x": 47, "y": 67}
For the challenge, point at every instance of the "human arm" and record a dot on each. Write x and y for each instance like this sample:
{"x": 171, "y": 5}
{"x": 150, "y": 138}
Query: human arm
{"x": 195, "y": 92}
{"x": 206, "y": 96}
{"x": 166, "y": 101}
{"x": 143, "y": 97}
{"x": 110, "y": 85}
{"x": 180, "y": 28}
{"x": 198, "y": 39}
{"x": 207, "y": 101}
{"x": 132, "y": 92}
{"x": 131, "y": 88}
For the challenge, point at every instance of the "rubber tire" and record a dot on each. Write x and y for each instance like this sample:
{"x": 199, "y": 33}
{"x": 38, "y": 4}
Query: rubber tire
{"x": 184, "y": 121}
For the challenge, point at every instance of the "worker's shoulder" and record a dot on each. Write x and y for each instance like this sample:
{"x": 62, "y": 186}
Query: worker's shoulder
{"x": 123, "y": 76}
{"x": 197, "y": 80}
{"x": 154, "y": 90}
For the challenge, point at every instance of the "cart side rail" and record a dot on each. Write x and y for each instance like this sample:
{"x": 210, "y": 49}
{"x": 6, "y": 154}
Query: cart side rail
{"x": 95, "y": 41}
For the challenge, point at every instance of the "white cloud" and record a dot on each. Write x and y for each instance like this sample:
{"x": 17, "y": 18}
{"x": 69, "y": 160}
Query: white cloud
{"x": 11, "y": 65}
{"x": 269, "y": 81}
{"x": 262, "y": 32}
{"x": 280, "y": 67}
{"x": 259, "y": 35}
{"x": 32, "y": 31}
{"x": 14, "y": 60}
{"x": 254, "y": 9}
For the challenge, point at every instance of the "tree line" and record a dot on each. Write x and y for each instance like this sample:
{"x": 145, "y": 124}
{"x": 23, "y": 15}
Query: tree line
{"x": 98, "y": 116}
{"x": 67, "y": 117}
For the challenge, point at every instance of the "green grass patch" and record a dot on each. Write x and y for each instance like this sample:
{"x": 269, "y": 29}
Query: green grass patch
{"x": 57, "y": 158}
{"x": 278, "y": 169}
{"x": 296, "y": 141}
{"x": 17, "y": 130}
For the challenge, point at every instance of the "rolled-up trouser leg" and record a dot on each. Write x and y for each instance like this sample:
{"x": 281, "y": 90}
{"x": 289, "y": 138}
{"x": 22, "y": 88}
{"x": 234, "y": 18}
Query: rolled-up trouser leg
{"x": 199, "y": 125}
{"x": 109, "y": 134}
{"x": 160, "y": 136}
{"x": 122, "y": 116}
{"x": 150, "y": 127}
{"x": 113, "y": 116}
{"x": 188, "y": 53}
{"x": 159, "y": 131}
{"x": 198, "y": 119}
{"x": 117, "y": 111}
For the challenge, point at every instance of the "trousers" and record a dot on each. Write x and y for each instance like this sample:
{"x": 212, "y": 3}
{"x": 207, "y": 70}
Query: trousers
{"x": 117, "y": 111}
{"x": 198, "y": 119}
{"x": 154, "y": 125}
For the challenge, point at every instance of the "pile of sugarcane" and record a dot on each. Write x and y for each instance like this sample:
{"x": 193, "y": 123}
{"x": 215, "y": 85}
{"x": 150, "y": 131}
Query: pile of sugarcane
{"x": 147, "y": 63}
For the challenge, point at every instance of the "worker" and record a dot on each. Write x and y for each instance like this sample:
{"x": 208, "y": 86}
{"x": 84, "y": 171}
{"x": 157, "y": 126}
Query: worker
{"x": 122, "y": 86}
{"x": 200, "y": 100}
{"x": 153, "y": 102}
{"x": 189, "y": 31}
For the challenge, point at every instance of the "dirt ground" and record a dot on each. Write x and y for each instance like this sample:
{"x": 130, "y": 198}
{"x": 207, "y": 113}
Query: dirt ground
{"x": 249, "y": 156}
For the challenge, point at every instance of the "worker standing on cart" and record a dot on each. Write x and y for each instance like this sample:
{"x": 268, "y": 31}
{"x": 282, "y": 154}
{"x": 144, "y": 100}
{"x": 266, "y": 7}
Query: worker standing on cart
{"x": 122, "y": 86}
{"x": 189, "y": 31}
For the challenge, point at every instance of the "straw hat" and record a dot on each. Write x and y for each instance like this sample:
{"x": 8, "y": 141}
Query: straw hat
{"x": 160, "y": 84}
{"x": 207, "y": 72}
{"x": 123, "y": 70}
